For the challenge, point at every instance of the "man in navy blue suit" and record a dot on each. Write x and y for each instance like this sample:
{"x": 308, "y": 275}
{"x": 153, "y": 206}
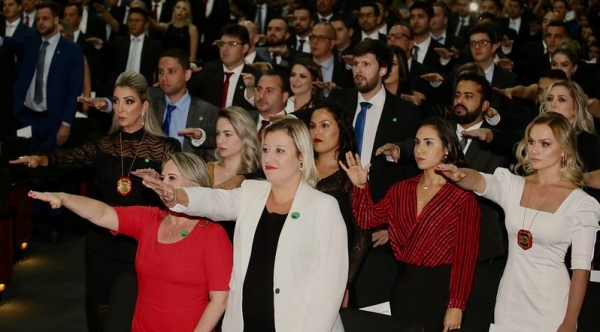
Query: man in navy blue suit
{"x": 48, "y": 82}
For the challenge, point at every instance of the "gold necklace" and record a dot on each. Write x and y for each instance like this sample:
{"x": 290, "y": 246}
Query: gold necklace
{"x": 183, "y": 232}
{"x": 124, "y": 182}
{"x": 524, "y": 236}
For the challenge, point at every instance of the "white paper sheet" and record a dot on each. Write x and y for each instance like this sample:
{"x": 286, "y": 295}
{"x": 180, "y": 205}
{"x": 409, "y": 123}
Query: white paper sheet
{"x": 381, "y": 308}
{"x": 24, "y": 132}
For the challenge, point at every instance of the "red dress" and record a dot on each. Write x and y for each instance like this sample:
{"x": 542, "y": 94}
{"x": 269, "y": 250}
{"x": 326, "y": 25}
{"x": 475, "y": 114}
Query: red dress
{"x": 174, "y": 279}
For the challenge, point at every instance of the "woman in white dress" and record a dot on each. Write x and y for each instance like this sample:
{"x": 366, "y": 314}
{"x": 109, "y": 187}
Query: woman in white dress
{"x": 546, "y": 212}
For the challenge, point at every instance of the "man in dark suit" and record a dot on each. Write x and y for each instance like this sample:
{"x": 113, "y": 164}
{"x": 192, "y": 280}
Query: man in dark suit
{"x": 424, "y": 49}
{"x": 516, "y": 21}
{"x": 343, "y": 34}
{"x": 463, "y": 20}
{"x": 303, "y": 23}
{"x": 91, "y": 24}
{"x": 72, "y": 13}
{"x": 135, "y": 52}
{"x": 439, "y": 25}
{"x": 220, "y": 83}
{"x": 12, "y": 25}
{"x": 322, "y": 44}
{"x": 367, "y": 21}
{"x": 378, "y": 117}
{"x": 29, "y": 13}
{"x": 161, "y": 11}
{"x": 208, "y": 18}
{"x": 261, "y": 14}
{"x": 251, "y": 55}
{"x": 277, "y": 36}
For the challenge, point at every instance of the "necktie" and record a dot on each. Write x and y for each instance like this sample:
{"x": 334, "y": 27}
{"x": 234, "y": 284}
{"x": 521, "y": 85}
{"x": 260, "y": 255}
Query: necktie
{"x": 225, "y": 89}
{"x": 415, "y": 54}
{"x": 38, "y": 95}
{"x": 155, "y": 12}
{"x": 263, "y": 124}
{"x": 463, "y": 142}
{"x": 259, "y": 19}
{"x": 167, "y": 123}
{"x": 133, "y": 58}
{"x": 460, "y": 24}
{"x": 301, "y": 45}
{"x": 27, "y": 20}
{"x": 359, "y": 127}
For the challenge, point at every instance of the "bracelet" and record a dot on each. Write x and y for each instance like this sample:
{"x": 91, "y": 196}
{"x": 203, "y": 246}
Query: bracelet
{"x": 171, "y": 204}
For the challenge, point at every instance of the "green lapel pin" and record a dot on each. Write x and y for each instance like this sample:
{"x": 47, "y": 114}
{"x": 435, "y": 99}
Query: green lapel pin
{"x": 395, "y": 119}
{"x": 201, "y": 118}
{"x": 295, "y": 215}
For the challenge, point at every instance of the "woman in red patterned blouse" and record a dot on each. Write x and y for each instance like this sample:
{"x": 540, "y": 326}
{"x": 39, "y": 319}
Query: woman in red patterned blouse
{"x": 433, "y": 229}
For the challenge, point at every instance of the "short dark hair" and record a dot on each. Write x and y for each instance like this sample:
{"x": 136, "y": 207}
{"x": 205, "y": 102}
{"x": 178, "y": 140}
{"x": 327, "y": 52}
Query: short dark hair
{"x": 236, "y": 30}
{"x": 486, "y": 28}
{"x": 497, "y": 3}
{"x": 345, "y": 19}
{"x": 304, "y": 7}
{"x": 139, "y": 11}
{"x": 285, "y": 81}
{"x": 567, "y": 6}
{"x": 379, "y": 49}
{"x": 487, "y": 16}
{"x": 522, "y": 3}
{"x": 484, "y": 85}
{"x": 178, "y": 54}
{"x": 48, "y": 5}
{"x": 447, "y": 133}
{"x": 556, "y": 23}
{"x": 76, "y": 5}
{"x": 425, "y": 6}
{"x": 373, "y": 5}
{"x": 346, "y": 141}
{"x": 555, "y": 74}
{"x": 444, "y": 7}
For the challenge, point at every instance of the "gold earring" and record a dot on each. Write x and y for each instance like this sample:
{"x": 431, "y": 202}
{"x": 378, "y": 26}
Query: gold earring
{"x": 562, "y": 161}
{"x": 143, "y": 119}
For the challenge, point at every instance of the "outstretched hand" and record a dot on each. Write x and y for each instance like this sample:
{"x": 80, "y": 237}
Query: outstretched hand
{"x": 152, "y": 180}
{"x": 52, "y": 198}
{"x": 451, "y": 172}
{"x": 432, "y": 77}
{"x": 30, "y": 161}
{"x": 389, "y": 150}
{"x": 97, "y": 103}
{"x": 483, "y": 134}
{"x": 356, "y": 173}
{"x": 504, "y": 92}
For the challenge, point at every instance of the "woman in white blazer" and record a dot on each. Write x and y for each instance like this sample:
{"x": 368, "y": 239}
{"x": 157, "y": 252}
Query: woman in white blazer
{"x": 309, "y": 261}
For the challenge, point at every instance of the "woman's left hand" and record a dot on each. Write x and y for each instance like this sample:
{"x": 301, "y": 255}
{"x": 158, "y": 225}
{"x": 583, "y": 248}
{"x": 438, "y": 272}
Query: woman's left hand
{"x": 566, "y": 328}
{"x": 452, "y": 319}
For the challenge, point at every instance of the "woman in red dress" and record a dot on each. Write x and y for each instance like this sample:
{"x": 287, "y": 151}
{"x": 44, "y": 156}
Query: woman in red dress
{"x": 183, "y": 263}
{"x": 433, "y": 229}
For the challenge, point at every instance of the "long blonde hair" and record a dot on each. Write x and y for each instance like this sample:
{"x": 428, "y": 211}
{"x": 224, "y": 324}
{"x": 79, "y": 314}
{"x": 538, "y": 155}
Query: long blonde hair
{"x": 188, "y": 19}
{"x": 245, "y": 129}
{"x": 583, "y": 119}
{"x": 138, "y": 83}
{"x": 299, "y": 133}
{"x": 566, "y": 137}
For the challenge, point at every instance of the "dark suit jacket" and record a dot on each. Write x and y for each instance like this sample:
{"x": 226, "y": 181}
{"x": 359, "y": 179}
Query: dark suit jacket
{"x": 200, "y": 115}
{"x": 64, "y": 81}
{"x": 118, "y": 13}
{"x": 342, "y": 76}
{"x": 522, "y": 34}
{"x": 398, "y": 122}
{"x": 432, "y": 58}
{"x": 20, "y": 31}
{"x": 264, "y": 53}
{"x": 416, "y": 82}
{"x": 452, "y": 41}
{"x": 453, "y": 24}
{"x": 507, "y": 108}
{"x": 165, "y": 14}
{"x": 292, "y": 44}
{"x": 357, "y": 37}
{"x": 149, "y": 62}
{"x": 208, "y": 85}
{"x": 96, "y": 27}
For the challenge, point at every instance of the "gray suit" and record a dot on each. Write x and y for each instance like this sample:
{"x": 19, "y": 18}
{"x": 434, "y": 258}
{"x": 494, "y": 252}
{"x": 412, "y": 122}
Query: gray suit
{"x": 201, "y": 115}
{"x": 264, "y": 53}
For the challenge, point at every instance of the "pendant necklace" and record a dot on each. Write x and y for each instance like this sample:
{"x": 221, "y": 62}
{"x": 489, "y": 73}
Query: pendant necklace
{"x": 183, "y": 232}
{"x": 524, "y": 236}
{"x": 124, "y": 182}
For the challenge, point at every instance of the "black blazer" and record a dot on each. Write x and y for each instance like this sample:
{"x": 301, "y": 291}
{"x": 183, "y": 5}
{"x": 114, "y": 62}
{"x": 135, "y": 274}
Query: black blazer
{"x": 272, "y": 12}
{"x": 507, "y": 108}
{"x": 151, "y": 50}
{"x": 357, "y": 37}
{"x": 95, "y": 27}
{"x": 416, "y": 82}
{"x": 464, "y": 31}
{"x": 208, "y": 85}
{"x": 432, "y": 58}
{"x": 398, "y": 122}
{"x": 292, "y": 44}
{"x": 21, "y": 30}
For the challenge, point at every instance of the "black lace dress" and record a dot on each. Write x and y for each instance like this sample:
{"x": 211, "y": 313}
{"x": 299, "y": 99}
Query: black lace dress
{"x": 339, "y": 186}
{"x": 106, "y": 255}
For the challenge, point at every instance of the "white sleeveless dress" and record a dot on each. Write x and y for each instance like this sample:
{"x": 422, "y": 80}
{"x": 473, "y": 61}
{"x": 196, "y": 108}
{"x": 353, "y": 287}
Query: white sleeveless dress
{"x": 534, "y": 289}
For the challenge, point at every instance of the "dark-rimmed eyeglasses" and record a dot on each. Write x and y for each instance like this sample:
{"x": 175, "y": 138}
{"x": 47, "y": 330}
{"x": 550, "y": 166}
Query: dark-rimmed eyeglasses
{"x": 392, "y": 36}
{"x": 480, "y": 43}
{"x": 319, "y": 38}
{"x": 222, "y": 44}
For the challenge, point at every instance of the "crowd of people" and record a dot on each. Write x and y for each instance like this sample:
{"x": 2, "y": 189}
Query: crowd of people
{"x": 262, "y": 164}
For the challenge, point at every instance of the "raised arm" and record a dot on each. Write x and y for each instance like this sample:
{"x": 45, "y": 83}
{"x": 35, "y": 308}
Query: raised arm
{"x": 95, "y": 211}
{"x": 592, "y": 179}
{"x": 465, "y": 178}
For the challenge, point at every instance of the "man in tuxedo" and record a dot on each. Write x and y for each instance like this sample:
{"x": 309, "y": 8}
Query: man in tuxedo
{"x": 29, "y": 13}
{"x": 367, "y": 21}
{"x": 322, "y": 44}
{"x": 439, "y": 25}
{"x": 325, "y": 10}
{"x": 378, "y": 117}
{"x": 12, "y": 25}
{"x": 463, "y": 20}
{"x": 303, "y": 23}
{"x": 424, "y": 49}
{"x": 91, "y": 25}
{"x": 277, "y": 36}
{"x": 220, "y": 83}
{"x": 516, "y": 21}
{"x": 343, "y": 34}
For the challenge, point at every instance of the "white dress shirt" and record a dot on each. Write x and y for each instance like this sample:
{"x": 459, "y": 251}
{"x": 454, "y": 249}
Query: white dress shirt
{"x": 514, "y": 24}
{"x": 423, "y": 47}
{"x": 305, "y": 46}
{"x": 260, "y": 117}
{"x": 459, "y": 131}
{"x": 52, "y": 43}
{"x": 11, "y": 27}
{"x": 135, "y": 53}
{"x": 371, "y": 123}
{"x": 374, "y": 35}
{"x": 31, "y": 18}
{"x": 232, "y": 82}
{"x": 76, "y": 34}
{"x": 84, "y": 19}
{"x": 209, "y": 7}
{"x": 489, "y": 72}
{"x": 250, "y": 57}
{"x": 441, "y": 39}
{"x": 384, "y": 29}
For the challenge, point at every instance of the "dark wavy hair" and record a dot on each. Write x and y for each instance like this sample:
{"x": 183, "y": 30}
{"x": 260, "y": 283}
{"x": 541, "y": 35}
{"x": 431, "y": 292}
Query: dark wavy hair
{"x": 346, "y": 140}
{"x": 316, "y": 96}
{"x": 404, "y": 80}
{"x": 447, "y": 134}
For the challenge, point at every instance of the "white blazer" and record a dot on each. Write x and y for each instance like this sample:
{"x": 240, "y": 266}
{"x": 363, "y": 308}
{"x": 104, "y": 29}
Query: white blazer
{"x": 311, "y": 264}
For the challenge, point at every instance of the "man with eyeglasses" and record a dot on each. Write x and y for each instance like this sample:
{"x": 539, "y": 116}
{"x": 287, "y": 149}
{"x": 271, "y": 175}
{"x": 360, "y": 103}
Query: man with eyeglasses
{"x": 368, "y": 20}
{"x": 220, "y": 83}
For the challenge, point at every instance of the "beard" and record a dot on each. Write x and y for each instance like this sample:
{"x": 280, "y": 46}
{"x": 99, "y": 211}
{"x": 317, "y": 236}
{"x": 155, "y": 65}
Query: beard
{"x": 367, "y": 85}
{"x": 469, "y": 116}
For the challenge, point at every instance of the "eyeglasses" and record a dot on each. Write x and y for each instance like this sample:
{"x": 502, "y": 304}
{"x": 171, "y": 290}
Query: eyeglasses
{"x": 319, "y": 38}
{"x": 480, "y": 43}
{"x": 222, "y": 44}
{"x": 392, "y": 36}
{"x": 367, "y": 15}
